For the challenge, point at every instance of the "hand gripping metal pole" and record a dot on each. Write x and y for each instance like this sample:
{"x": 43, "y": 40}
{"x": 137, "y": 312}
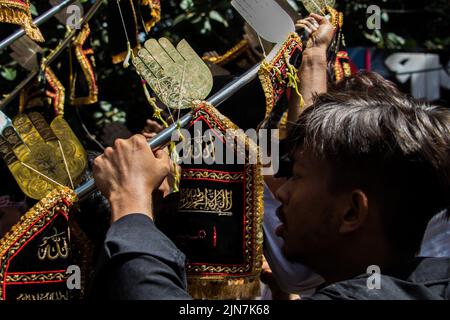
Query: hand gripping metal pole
{"x": 164, "y": 136}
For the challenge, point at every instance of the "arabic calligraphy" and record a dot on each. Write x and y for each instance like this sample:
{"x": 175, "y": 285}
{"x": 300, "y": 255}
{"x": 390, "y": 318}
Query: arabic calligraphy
{"x": 207, "y": 200}
{"x": 57, "y": 295}
{"x": 54, "y": 247}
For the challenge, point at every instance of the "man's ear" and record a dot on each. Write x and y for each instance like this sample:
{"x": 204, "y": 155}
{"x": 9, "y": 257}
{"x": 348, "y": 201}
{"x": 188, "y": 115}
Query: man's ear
{"x": 357, "y": 212}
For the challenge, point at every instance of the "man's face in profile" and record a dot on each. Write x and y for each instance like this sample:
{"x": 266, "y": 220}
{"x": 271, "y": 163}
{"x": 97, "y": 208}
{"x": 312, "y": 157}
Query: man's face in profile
{"x": 309, "y": 211}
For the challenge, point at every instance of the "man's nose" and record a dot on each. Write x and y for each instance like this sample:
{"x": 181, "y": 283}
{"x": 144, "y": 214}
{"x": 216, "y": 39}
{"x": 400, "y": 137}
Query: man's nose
{"x": 282, "y": 193}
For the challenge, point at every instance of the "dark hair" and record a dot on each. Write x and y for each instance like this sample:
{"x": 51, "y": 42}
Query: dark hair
{"x": 391, "y": 146}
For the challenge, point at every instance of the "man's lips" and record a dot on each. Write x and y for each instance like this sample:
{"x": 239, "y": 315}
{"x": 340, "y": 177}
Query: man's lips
{"x": 279, "y": 231}
{"x": 280, "y": 214}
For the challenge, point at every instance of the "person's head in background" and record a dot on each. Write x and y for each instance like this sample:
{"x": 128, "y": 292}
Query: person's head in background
{"x": 370, "y": 167}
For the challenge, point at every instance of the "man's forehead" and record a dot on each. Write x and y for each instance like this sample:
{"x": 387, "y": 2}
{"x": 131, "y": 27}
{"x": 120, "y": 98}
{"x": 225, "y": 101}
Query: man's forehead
{"x": 305, "y": 158}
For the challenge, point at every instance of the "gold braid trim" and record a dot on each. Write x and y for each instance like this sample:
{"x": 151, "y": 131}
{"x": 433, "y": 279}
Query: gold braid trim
{"x": 244, "y": 283}
{"x": 267, "y": 68}
{"x": 45, "y": 205}
{"x": 59, "y": 93}
{"x": 51, "y": 205}
{"x": 155, "y": 8}
{"x": 230, "y": 55}
{"x": 335, "y": 18}
{"x": 16, "y": 13}
{"x": 224, "y": 289}
{"x": 87, "y": 68}
{"x": 36, "y": 277}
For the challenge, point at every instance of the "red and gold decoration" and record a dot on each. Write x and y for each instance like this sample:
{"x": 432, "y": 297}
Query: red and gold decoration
{"x": 151, "y": 13}
{"x": 278, "y": 75}
{"x": 122, "y": 41}
{"x": 18, "y": 12}
{"x": 83, "y": 82}
{"x": 36, "y": 252}
{"x": 38, "y": 95}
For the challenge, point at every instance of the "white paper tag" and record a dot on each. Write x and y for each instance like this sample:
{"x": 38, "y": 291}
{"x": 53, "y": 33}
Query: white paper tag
{"x": 267, "y": 18}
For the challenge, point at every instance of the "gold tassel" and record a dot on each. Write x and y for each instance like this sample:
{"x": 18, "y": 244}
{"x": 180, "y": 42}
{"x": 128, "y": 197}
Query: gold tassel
{"x": 224, "y": 289}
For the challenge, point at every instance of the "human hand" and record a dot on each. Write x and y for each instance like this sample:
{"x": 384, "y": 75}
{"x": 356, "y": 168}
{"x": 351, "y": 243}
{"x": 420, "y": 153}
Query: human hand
{"x": 321, "y": 31}
{"x": 128, "y": 173}
{"x": 151, "y": 129}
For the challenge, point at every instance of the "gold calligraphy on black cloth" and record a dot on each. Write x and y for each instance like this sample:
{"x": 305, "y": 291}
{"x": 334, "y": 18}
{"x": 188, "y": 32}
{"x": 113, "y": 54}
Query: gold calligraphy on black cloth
{"x": 54, "y": 247}
{"x": 207, "y": 200}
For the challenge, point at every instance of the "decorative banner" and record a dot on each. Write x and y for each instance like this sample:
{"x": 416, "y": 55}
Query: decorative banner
{"x": 83, "y": 81}
{"x": 219, "y": 219}
{"x": 280, "y": 73}
{"x": 18, "y": 12}
{"x": 151, "y": 13}
{"x": 36, "y": 253}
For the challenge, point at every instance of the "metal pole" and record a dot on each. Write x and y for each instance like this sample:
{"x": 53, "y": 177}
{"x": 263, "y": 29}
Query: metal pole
{"x": 164, "y": 136}
{"x": 52, "y": 56}
{"x": 38, "y": 21}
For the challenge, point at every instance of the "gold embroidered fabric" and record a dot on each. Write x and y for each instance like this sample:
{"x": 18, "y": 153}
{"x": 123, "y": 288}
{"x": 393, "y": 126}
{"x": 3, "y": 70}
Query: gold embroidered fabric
{"x": 54, "y": 94}
{"x": 18, "y": 12}
{"x": 85, "y": 57}
{"x": 274, "y": 75}
{"x": 154, "y": 14}
{"x": 34, "y": 278}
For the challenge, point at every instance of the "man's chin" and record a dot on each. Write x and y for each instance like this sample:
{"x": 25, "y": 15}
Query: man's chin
{"x": 291, "y": 256}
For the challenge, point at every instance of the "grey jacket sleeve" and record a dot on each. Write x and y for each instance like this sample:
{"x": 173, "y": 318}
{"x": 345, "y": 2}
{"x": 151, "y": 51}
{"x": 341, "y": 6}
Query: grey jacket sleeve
{"x": 141, "y": 263}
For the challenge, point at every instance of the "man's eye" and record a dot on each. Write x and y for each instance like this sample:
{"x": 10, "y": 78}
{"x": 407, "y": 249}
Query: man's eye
{"x": 285, "y": 170}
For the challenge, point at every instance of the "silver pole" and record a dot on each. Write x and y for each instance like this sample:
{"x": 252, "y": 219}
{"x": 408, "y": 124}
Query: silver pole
{"x": 38, "y": 21}
{"x": 164, "y": 136}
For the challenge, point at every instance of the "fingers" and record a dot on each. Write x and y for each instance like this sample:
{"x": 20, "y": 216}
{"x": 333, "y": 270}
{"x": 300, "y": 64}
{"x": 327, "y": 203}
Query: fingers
{"x": 153, "y": 127}
{"x": 320, "y": 19}
{"x": 162, "y": 155}
{"x": 309, "y": 24}
{"x": 148, "y": 136}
